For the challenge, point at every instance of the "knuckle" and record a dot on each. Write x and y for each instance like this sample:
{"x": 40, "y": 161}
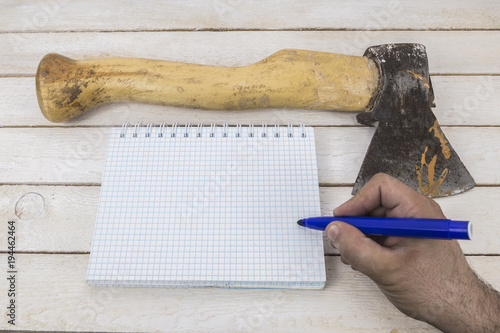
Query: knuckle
{"x": 433, "y": 207}
{"x": 347, "y": 257}
{"x": 381, "y": 177}
{"x": 350, "y": 256}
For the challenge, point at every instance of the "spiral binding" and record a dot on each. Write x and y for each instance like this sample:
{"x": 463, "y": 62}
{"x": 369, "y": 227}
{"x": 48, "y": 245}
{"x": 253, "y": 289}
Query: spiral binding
{"x": 124, "y": 129}
{"x": 302, "y": 127}
{"x": 149, "y": 128}
{"x": 238, "y": 130}
{"x": 137, "y": 127}
{"x": 174, "y": 130}
{"x": 199, "y": 130}
{"x": 162, "y": 128}
{"x": 212, "y": 130}
{"x": 187, "y": 130}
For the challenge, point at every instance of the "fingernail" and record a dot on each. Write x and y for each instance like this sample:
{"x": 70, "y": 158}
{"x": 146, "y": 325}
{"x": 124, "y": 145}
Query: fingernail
{"x": 332, "y": 232}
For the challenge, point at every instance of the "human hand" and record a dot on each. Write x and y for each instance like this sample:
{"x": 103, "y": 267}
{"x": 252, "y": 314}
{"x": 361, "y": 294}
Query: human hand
{"x": 426, "y": 279}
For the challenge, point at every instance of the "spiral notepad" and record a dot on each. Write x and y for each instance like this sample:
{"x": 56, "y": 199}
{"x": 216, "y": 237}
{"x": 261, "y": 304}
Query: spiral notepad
{"x": 208, "y": 206}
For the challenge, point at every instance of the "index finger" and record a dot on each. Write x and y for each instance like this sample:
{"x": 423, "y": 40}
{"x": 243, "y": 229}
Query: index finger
{"x": 385, "y": 193}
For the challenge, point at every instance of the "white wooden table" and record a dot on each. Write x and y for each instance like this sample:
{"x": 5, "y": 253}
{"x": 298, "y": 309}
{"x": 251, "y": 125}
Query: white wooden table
{"x": 50, "y": 173}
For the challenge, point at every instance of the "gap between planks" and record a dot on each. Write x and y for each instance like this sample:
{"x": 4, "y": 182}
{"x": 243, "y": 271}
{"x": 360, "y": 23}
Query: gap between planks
{"x": 235, "y": 30}
{"x": 99, "y": 184}
{"x": 219, "y": 125}
{"x": 88, "y": 253}
{"x": 31, "y": 331}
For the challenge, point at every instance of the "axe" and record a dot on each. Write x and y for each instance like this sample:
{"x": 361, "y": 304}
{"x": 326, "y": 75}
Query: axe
{"x": 389, "y": 85}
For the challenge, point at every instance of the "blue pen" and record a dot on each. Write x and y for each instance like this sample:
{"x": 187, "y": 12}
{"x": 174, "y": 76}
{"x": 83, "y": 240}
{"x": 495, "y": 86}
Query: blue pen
{"x": 403, "y": 227}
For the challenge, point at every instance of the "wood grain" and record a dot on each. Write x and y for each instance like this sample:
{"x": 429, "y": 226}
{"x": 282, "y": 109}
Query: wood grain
{"x": 64, "y": 222}
{"x": 460, "y": 100}
{"x": 450, "y": 52}
{"x": 52, "y": 229}
{"x": 52, "y": 295}
{"x": 288, "y": 78}
{"x": 76, "y": 155}
{"x": 58, "y": 15}
{"x": 52, "y": 291}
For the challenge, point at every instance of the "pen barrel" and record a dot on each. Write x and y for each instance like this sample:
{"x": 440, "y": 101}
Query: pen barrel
{"x": 403, "y": 227}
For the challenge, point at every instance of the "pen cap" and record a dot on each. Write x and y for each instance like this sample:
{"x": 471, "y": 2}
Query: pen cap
{"x": 460, "y": 230}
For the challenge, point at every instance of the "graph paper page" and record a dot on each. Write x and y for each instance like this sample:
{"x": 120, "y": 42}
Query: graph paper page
{"x": 208, "y": 207}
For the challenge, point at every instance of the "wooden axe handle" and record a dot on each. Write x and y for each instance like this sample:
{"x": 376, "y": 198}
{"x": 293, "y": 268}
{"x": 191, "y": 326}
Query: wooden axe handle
{"x": 287, "y": 79}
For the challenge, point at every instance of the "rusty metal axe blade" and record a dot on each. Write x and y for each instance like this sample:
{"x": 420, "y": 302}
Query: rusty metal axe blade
{"x": 408, "y": 143}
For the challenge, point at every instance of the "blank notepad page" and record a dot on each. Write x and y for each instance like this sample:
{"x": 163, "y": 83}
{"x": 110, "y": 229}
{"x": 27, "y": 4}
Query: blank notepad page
{"x": 208, "y": 207}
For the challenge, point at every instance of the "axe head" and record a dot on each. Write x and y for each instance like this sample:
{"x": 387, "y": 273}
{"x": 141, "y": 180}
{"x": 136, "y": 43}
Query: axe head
{"x": 408, "y": 143}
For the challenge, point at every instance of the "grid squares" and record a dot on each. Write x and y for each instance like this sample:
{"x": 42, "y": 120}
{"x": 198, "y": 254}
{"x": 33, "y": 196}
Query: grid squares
{"x": 208, "y": 207}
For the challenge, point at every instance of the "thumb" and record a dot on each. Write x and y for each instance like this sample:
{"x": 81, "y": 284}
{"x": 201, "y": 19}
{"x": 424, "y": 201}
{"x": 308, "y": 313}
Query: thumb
{"x": 357, "y": 250}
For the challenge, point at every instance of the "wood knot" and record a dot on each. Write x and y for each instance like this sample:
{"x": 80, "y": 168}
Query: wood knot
{"x": 30, "y": 206}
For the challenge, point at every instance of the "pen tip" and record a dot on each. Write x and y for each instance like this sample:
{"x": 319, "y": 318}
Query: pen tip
{"x": 299, "y": 222}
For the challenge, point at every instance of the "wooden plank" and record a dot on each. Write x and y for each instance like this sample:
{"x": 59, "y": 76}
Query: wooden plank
{"x": 50, "y": 218}
{"x": 76, "y": 155}
{"x": 461, "y": 100}
{"x": 52, "y": 296}
{"x": 59, "y": 15}
{"x": 62, "y": 218}
{"x": 464, "y": 52}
